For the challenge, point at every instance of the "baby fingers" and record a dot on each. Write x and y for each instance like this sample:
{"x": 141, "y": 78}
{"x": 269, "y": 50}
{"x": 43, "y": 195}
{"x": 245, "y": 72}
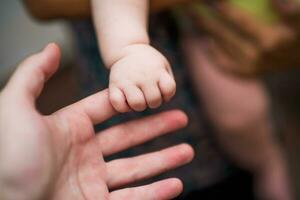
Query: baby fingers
{"x": 117, "y": 99}
{"x": 167, "y": 86}
{"x": 152, "y": 95}
{"x": 135, "y": 98}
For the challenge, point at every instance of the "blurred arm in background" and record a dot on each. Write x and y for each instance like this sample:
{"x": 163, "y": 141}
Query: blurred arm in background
{"x": 239, "y": 110}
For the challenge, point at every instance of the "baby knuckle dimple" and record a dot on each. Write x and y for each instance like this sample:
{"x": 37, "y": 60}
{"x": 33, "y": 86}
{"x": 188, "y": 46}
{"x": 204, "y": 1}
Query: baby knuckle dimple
{"x": 147, "y": 78}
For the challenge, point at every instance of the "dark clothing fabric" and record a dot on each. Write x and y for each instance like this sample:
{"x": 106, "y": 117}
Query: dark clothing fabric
{"x": 209, "y": 166}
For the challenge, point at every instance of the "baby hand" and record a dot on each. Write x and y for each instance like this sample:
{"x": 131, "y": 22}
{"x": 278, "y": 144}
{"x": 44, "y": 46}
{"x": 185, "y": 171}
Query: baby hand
{"x": 141, "y": 78}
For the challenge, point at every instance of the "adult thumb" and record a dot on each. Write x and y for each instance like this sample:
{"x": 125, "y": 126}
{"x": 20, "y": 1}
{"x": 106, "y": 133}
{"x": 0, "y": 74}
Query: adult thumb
{"x": 29, "y": 78}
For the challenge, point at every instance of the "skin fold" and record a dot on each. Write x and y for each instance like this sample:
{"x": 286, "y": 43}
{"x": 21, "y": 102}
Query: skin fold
{"x": 59, "y": 156}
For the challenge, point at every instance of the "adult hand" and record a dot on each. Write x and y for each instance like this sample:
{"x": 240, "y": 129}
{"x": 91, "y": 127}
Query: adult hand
{"x": 60, "y": 156}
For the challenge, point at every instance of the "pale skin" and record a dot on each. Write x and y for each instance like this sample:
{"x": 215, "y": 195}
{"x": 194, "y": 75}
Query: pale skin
{"x": 239, "y": 109}
{"x": 140, "y": 76}
{"x": 60, "y": 157}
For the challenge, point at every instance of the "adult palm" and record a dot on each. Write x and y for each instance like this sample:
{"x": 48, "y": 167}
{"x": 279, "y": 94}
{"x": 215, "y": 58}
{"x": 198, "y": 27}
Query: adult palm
{"x": 60, "y": 157}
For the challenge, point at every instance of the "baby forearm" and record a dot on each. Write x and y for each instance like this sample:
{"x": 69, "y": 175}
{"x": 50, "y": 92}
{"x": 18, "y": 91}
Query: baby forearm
{"x": 119, "y": 24}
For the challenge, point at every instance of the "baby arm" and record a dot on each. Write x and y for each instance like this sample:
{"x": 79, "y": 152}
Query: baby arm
{"x": 140, "y": 76}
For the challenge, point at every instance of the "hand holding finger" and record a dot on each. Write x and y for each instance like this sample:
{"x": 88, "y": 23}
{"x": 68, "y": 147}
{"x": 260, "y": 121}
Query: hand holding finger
{"x": 139, "y": 131}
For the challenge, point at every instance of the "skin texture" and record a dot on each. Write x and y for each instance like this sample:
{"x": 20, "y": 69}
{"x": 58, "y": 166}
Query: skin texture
{"x": 143, "y": 83}
{"x": 140, "y": 76}
{"x": 60, "y": 157}
{"x": 128, "y": 87}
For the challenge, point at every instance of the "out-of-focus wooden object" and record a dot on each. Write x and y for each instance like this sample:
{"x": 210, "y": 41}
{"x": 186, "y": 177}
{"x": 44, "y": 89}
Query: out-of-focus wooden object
{"x": 78, "y": 9}
{"x": 250, "y": 44}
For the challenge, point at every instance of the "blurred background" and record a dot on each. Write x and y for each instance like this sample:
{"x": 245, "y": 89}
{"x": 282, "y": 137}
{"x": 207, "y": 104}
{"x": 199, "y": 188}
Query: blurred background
{"x": 21, "y": 36}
